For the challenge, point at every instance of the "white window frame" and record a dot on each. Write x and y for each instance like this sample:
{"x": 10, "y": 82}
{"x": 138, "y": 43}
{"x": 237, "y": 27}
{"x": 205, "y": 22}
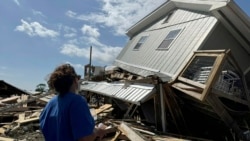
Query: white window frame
{"x": 168, "y": 41}
{"x": 141, "y": 41}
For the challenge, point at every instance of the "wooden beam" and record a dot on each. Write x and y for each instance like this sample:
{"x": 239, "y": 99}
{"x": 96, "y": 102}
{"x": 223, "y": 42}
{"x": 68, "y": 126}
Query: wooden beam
{"x": 6, "y": 139}
{"x": 117, "y": 134}
{"x": 27, "y": 120}
{"x": 130, "y": 133}
{"x": 101, "y": 109}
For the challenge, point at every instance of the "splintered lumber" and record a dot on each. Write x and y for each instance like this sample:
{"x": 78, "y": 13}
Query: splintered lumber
{"x": 168, "y": 139}
{"x": 3, "y": 129}
{"x": 9, "y": 99}
{"x": 23, "y": 102}
{"x": 21, "y": 116}
{"x": 27, "y": 120}
{"x": 6, "y": 139}
{"x": 117, "y": 134}
{"x": 23, "y": 98}
{"x": 144, "y": 131}
{"x": 101, "y": 109}
{"x": 130, "y": 133}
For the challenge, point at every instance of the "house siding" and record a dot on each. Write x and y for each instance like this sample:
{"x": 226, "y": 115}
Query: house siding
{"x": 196, "y": 26}
{"x": 221, "y": 38}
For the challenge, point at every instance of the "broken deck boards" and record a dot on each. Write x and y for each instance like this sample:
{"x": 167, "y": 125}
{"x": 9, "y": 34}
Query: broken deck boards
{"x": 130, "y": 133}
{"x": 6, "y": 139}
{"x": 101, "y": 109}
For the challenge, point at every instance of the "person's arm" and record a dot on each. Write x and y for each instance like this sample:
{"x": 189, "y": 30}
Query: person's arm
{"x": 98, "y": 132}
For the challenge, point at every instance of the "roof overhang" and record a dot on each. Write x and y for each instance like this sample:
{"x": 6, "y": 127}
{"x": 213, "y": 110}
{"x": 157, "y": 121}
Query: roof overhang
{"x": 236, "y": 21}
{"x": 132, "y": 93}
{"x": 226, "y": 11}
{"x": 199, "y": 5}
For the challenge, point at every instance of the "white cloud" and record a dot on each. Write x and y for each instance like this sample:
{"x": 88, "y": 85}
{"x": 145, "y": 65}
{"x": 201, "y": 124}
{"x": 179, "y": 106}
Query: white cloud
{"x": 69, "y": 32}
{"x": 38, "y": 13}
{"x": 119, "y": 15}
{"x": 104, "y": 55}
{"x": 74, "y": 50}
{"x": 76, "y": 66}
{"x": 69, "y": 35}
{"x": 73, "y": 41}
{"x": 100, "y": 52}
{"x": 17, "y": 2}
{"x": 70, "y": 13}
{"x": 35, "y": 29}
{"x": 90, "y": 31}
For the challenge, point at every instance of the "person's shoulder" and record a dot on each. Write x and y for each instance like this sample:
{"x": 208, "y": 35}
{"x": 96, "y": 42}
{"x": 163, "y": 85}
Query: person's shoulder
{"x": 76, "y": 97}
{"x": 53, "y": 99}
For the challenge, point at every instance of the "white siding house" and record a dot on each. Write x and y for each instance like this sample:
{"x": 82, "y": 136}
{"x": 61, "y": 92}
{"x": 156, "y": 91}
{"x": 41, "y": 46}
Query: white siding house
{"x": 197, "y": 21}
{"x": 199, "y": 51}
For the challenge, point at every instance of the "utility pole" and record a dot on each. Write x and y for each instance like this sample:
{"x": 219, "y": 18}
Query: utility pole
{"x": 90, "y": 59}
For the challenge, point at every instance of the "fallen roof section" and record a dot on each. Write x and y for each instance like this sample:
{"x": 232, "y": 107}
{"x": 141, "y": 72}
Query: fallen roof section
{"x": 132, "y": 93}
{"x": 8, "y": 89}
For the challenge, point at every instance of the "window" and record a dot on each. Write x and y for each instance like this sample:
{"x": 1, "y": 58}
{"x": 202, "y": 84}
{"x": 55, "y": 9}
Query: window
{"x": 168, "y": 17}
{"x": 169, "y": 39}
{"x": 199, "y": 69}
{"x": 214, "y": 72}
{"x": 140, "y": 42}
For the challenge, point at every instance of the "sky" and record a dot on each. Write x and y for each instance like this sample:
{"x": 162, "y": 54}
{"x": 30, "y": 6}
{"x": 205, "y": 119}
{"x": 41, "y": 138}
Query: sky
{"x": 38, "y": 35}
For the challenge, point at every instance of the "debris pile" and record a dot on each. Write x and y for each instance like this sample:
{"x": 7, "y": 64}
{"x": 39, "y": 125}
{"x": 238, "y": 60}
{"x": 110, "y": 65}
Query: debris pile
{"x": 20, "y": 121}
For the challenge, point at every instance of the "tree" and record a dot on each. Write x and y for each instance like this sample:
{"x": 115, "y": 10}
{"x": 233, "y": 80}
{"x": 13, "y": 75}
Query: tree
{"x": 40, "y": 87}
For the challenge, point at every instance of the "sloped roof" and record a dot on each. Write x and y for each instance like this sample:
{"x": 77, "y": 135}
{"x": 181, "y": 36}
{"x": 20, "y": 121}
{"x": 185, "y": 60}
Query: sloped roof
{"x": 8, "y": 89}
{"x": 227, "y": 11}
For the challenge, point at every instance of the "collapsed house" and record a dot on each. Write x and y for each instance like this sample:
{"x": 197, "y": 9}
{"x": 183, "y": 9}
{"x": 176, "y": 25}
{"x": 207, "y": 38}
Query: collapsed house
{"x": 185, "y": 70}
{"x": 19, "y": 118}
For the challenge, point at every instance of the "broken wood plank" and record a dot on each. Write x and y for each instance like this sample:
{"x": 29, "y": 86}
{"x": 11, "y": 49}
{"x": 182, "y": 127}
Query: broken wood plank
{"x": 7, "y": 139}
{"x": 130, "y": 133}
{"x": 4, "y": 128}
{"x": 23, "y": 102}
{"x": 21, "y": 116}
{"x": 168, "y": 139}
{"x": 117, "y": 134}
{"x": 144, "y": 131}
{"x": 27, "y": 120}
{"x": 10, "y": 100}
{"x": 101, "y": 109}
{"x": 108, "y": 110}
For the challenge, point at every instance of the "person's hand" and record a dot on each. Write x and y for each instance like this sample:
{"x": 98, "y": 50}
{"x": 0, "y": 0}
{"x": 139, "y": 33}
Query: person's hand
{"x": 100, "y": 132}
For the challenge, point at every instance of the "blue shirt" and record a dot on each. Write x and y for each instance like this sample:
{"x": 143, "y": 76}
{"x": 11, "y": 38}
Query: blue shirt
{"x": 66, "y": 118}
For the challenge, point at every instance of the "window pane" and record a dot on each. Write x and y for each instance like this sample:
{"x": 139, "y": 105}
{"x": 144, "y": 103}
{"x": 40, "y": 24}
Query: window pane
{"x": 199, "y": 69}
{"x": 143, "y": 39}
{"x": 165, "y": 43}
{"x": 140, "y": 42}
{"x": 137, "y": 45}
{"x": 169, "y": 39}
{"x": 173, "y": 34}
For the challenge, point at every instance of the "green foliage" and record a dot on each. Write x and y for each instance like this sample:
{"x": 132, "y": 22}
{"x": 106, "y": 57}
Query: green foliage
{"x": 40, "y": 87}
